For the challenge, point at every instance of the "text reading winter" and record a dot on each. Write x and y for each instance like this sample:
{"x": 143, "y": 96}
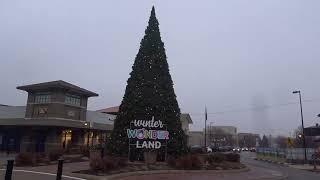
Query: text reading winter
{"x": 149, "y": 131}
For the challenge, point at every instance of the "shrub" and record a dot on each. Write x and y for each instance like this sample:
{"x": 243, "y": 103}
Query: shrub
{"x": 215, "y": 158}
{"x": 110, "y": 163}
{"x": 24, "y": 159}
{"x": 85, "y": 151}
{"x": 232, "y": 157}
{"x": 96, "y": 163}
{"x": 107, "y": 163}
{"x": 122, "y": 161}
{"x": 171, "y": 161}
{"x": 196, "y": 162}
{"x": 41, "y": 158}
{"x": 55, "y": 155}
{"x": 188, "y": 162}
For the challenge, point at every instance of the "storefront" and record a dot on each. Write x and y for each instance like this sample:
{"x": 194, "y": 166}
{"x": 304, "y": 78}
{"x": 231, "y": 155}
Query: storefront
{"x": 55, "y": 117}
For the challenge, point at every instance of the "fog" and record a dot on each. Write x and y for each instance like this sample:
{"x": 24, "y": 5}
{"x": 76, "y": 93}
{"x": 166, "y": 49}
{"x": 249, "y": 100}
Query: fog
{"x": 241, "y": 59}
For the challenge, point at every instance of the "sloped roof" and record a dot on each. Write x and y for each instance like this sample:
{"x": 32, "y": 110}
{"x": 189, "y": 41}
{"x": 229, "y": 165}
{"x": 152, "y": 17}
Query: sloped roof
{"x": 12, "y": 111}
{"x": 186, "y": 116}
{"x": 110, "y": 110}
{"x": 98, "y": 117}
{"x": 55, "y": 84}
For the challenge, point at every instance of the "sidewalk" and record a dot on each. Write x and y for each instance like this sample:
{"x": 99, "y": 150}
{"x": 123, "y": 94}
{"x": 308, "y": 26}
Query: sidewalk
{"x": 307, "y": 167}
{"x": 4, "y": 158}
{"x": 255, "y": 173}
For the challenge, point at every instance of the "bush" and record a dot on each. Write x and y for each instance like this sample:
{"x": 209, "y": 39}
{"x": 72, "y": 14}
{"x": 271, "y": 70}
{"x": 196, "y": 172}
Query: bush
{"x": 122, "y": 161}
{"x": 107, "y": 163}
{"x": 171, "y": 161}
{"x": 188, "y": 162}
{"x": 24, "y": 159}
{"x": 41, "y": 158}
{"x": 232, "y": 157}
{"x": 215, "y": 158}
{"x": 55, "y": 155}
{"x": 85, "y": 151}
{"x": 96, "y": 163}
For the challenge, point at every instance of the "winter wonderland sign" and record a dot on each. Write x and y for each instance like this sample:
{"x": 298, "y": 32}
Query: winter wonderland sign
{"x": 147, "y": 134}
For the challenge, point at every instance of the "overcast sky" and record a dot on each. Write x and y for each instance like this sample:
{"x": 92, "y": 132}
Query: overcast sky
{"x": 231, "y": 56}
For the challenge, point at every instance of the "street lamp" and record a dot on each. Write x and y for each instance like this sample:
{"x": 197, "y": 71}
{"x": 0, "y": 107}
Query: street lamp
{"x": 88, "y": 132}
{"x": 303, "y": 135}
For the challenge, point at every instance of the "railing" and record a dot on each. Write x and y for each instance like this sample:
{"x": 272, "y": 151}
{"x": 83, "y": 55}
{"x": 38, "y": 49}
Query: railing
{"x": 286, "y": 154}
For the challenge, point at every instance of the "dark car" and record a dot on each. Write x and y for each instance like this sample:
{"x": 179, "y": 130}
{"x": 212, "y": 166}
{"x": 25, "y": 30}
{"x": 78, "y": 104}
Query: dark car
{"x": 196, "y": 149}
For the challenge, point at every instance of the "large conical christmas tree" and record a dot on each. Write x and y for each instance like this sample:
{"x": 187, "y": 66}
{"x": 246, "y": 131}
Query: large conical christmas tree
{"x": 149, "y": 93}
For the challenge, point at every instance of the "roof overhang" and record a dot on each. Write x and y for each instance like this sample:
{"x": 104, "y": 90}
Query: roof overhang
{"x": 57, "y": 122}
{"x": 188, "y": 117}
{"x": 57, "y": 84}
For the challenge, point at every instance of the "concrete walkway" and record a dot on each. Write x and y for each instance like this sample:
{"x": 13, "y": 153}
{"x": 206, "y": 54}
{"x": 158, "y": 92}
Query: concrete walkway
{"x": 4, "y": 158}
{"x": 255, "y": 173}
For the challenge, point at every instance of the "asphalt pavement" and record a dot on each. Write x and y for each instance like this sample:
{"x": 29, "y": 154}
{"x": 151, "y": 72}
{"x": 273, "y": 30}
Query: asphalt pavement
{"x": 291, "y": 173}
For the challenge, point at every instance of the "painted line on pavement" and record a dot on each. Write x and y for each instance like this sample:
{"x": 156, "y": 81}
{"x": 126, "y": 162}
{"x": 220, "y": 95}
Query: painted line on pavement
{"x": 44, "y": 173}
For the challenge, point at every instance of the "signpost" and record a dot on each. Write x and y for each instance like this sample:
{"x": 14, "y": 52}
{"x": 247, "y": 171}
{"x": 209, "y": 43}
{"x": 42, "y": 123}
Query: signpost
{"x": 148, "y": 135}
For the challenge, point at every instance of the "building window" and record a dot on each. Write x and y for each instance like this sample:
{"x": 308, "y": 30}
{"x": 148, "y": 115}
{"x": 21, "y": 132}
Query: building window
{"x": 42, "y": 98}
{"x": 73, "y": 100}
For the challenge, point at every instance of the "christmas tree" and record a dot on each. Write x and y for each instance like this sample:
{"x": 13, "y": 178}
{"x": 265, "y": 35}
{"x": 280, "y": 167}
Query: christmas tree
{"x": 149, "y": 93}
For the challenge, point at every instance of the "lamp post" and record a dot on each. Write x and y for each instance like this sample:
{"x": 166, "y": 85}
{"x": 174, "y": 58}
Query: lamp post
{"x": 88, "y": 132}
{"x": 303, "y": 135}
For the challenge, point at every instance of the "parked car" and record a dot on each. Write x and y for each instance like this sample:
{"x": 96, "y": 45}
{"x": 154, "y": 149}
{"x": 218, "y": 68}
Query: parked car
{"x": 236, "y": 149}
{"x": 214, "y": 148}
{"x": 245, "y": 149}
{"x": 196, "y": 149}
{"x": 253, "y": 149}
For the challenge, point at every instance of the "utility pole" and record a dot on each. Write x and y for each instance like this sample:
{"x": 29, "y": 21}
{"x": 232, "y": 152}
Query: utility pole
{"x": 303, "y": 135}
{"x": 205, "y": 129}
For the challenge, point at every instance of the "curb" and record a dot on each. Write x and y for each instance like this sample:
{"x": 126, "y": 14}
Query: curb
{"x": 274, "y": 162}
{"x": 140, "y": 173}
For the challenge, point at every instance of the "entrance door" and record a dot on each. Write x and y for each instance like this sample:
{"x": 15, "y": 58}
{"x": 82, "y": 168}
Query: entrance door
{"x": 40, "y": 143}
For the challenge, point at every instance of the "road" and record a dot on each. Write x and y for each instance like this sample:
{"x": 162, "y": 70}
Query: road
{"x": 293, "y": 174}
{"x": 259, "y": 170}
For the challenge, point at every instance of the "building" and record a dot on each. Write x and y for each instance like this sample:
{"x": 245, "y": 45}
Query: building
{"x": 196, "y": 138}
{"x": 219, "y": 136}
{"x": 216, "y": 136}
{"x": 55, "y": 117}
{"x": 312, "y": 135}
{"x": 248, "y": 139}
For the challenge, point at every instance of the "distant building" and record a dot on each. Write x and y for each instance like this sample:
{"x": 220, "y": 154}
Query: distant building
{"x": 219, "y": 136}
{"x": 196, "y": 138}
{"x": 312, "y": 135}
{"x": 110, "y": 110}
{"x": 248, "y": 139}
